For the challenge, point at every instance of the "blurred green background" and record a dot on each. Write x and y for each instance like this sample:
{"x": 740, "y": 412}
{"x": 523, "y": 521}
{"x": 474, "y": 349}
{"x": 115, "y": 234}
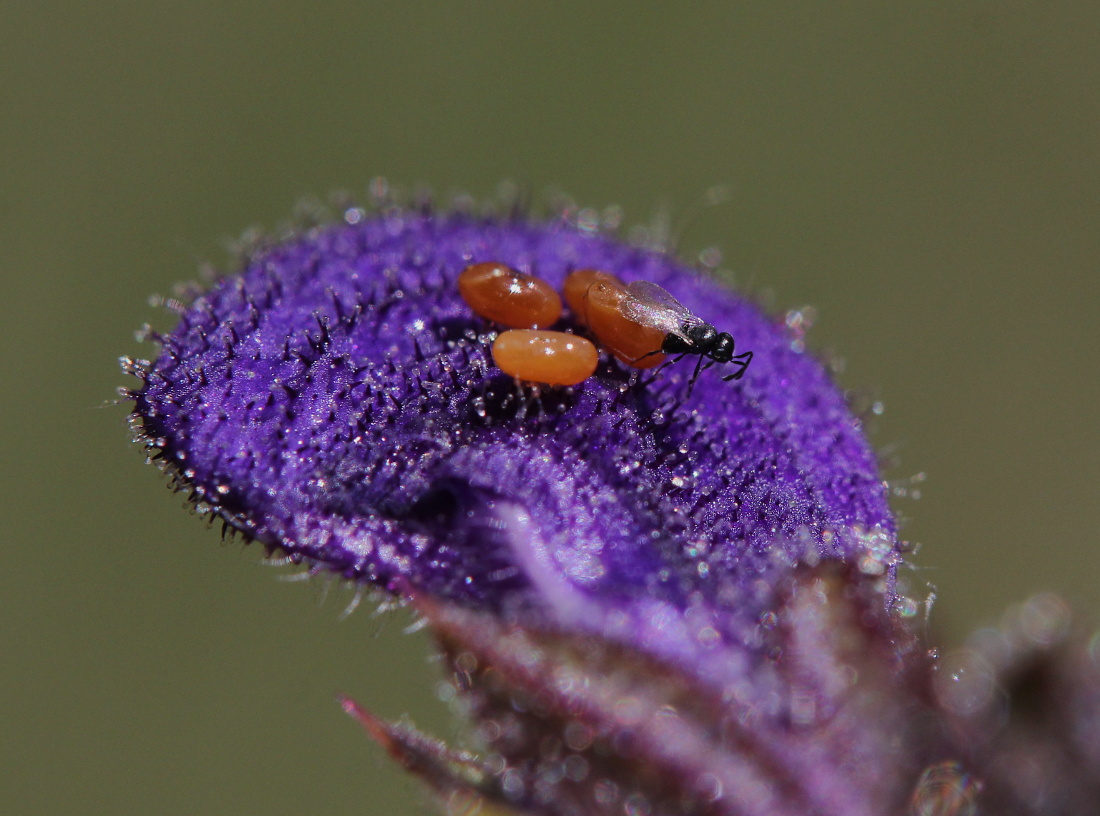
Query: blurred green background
{"x": 926, "y": 175}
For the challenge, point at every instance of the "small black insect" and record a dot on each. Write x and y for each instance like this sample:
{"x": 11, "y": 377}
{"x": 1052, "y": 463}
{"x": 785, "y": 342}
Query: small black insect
{"x": 649, "y": 305}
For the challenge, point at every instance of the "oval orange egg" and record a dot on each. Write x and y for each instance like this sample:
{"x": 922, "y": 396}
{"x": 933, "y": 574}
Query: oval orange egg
{"x": 546, "y": 357}
{"x": 509, "y": 297}
{"x": 595, "y": 297}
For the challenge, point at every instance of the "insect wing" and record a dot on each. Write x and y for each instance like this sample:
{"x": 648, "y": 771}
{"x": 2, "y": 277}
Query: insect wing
{"x": 649, "y": 304}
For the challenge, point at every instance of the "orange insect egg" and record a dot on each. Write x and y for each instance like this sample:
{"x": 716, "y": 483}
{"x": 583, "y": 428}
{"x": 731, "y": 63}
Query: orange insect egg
{"x": 509, "y": 297}
{"x": 546, "y": 357}
{"x": 596, "y": 299}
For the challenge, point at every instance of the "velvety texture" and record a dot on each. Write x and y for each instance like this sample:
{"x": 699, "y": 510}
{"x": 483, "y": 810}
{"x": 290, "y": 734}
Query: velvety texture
{"x": 336, "y": 400}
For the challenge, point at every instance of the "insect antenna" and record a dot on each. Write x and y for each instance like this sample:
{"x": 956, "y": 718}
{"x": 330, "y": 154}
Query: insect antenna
{"x": 743, "y": 361}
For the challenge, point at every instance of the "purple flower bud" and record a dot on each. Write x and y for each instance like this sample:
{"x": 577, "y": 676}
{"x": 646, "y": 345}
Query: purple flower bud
{"x": 653, "y": 596}
{"x": 336, "y": 400}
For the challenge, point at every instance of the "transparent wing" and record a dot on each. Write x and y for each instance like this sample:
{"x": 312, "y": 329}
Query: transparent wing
{"x": 649, "y": 304}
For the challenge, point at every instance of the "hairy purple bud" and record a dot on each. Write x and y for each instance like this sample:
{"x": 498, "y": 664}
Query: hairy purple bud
{"x": 653, "y": 598}
{"x": 336, "y": 400}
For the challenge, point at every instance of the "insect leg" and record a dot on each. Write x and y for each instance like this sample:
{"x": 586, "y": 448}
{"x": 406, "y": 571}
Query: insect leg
{"x": 645, "y": 383}
{"x": 695, "y": 375}
{"x": 650, "y": 354}
{"x": 657, "y": 371}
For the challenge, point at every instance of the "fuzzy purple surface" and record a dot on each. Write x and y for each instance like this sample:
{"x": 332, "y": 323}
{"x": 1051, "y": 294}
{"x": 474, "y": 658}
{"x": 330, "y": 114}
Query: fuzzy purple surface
{"x": 336, "y": 400}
